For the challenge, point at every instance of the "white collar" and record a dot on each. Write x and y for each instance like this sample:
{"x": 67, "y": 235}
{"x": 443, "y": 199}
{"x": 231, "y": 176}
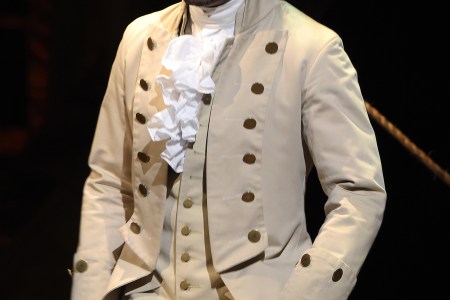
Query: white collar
{"x": 222, "y": 16}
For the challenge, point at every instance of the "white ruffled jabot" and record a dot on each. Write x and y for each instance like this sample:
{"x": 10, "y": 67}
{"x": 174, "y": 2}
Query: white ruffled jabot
{"x": 191, "y": 59}
{"x": 182, "y": 92}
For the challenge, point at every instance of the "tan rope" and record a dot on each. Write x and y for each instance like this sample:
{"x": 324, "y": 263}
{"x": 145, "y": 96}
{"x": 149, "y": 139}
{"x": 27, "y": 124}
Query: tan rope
{"x": 408, "y": 144}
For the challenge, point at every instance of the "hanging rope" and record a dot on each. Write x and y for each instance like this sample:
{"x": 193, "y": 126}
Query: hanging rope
{"x": 408, "y": 144}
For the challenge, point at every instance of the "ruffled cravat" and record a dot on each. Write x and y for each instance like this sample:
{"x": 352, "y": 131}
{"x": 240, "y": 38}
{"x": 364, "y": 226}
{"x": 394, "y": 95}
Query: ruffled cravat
{"x": 191, "y": 59}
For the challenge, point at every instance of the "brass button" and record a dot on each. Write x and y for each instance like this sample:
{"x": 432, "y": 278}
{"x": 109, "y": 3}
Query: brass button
{"x": 81, "y": 266}
{"x": 250, "y": 123}
{"x": 143, "y": 84}
{"x": 249, "y": 158}
{"x": 141, "y": 118}
{"x": 187, "y": 203}
{"x": 184, "y": 285}
{"x": 206, "y": 99}
{"x": 337, "y": 275}
{"x": 135, "y": 228}
{"x": 143, "y": 190}
{"x": 185, "y": 257}
{"x": 190, "y": 145}
{"x": 272, "y": 48}
{"x": 143, "y": 157}
{"x": 306, "y": 260}
{"x": 254, "y": 236}
{"x": 248, "y": 197}
{"x": 257, "y": 88}
{"x": 150, "y": 44}
{"x": 185, "y": 230}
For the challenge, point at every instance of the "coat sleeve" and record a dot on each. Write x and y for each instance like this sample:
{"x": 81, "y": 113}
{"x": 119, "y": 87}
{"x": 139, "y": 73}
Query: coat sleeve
{"x": 107, "y": 193}
{"x": 343, "y": 147}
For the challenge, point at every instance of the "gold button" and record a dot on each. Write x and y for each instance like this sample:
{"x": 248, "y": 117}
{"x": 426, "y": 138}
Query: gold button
{"x": 250, "y": 123}
{"x": 141, "y": 118}
{"x": 337, "y": 275}
{"x": 306, "y": 260}
{"x": 185, "y": 257}
{"x": 143, "y": 190}
{"x": 187, "y": 203}
{"x": 150, "y": 44}
{"x": 143, "y": 84}
{"x": 81, "y": 266}
{"x": 135, "y": 228}
{"x": 257, "y": 88}
{"x": 254, "y": 236}
{"x": 206, "y": 99}
{"x": 185, "y": 230}
{"x": 143, "y": 157}
{"x": 272, "y": 48}
{"x": 249, "y": 158}
{"x": 248, "y": 197}
{"x": 184, "y": 285}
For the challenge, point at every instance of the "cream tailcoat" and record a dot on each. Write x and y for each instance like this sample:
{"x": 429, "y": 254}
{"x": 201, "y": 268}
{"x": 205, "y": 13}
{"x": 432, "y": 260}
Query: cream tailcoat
{"x": 292, "y": 76}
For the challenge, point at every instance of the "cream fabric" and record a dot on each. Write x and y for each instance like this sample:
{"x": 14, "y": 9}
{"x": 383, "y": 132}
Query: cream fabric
{"x": 309, "y": 112}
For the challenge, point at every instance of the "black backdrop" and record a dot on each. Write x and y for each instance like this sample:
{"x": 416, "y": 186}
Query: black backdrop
{"x": 400, "y": 56}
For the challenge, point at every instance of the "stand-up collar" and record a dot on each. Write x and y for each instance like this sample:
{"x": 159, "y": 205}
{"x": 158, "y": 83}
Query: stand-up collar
{"x": 223, "y": 16}
{"x": 247, "y": 16}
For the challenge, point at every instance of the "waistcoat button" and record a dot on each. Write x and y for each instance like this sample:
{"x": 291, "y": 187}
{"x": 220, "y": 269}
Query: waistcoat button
{"x": 249, "y": 158}
{"x": 206, "y": 99}
{"x": 143, "y": 157}
{"x": 143, "y": 190}
{"x": 143, "y": 84}
{"x": 185, "y": 230}
{"x": 187, "y": 203}
{"x": 254, "y": 236}
{"x": 306, "y": 260}
{"x": 185, "y": 257}
{"x": 150, "y": 44}
{"x": 184, "y": 285}
{"x": 337, "y": 275}
{"x": 141, "y": 118}
{"x": 81, "y": 266}
{"x": 272, "y": 48}
{"x": 250, "y": 123}
{"x": 135, "y": 228}
{"x": 257, "y": 88}
{"x": 248, "y": 197}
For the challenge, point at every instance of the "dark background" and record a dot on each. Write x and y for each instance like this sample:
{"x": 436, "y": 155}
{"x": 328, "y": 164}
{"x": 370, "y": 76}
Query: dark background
{"x": 55, "y": 62}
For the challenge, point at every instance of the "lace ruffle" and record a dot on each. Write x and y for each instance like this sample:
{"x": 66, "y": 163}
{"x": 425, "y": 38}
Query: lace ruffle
{"x": 190, "y": 62}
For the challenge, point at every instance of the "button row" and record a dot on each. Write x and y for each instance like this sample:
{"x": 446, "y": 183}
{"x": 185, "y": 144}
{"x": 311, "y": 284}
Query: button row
{"x": 257, "y": 88}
